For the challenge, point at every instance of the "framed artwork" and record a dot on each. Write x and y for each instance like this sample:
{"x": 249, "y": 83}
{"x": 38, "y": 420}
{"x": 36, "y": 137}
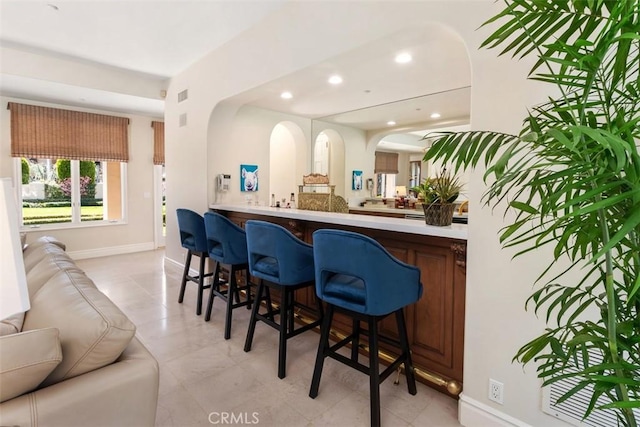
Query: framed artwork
{"x": 248, "y": 178}
{"x": 357, "y": 180}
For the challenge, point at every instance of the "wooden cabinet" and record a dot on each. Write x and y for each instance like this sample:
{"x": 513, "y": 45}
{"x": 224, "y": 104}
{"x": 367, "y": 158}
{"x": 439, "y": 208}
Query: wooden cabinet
{"x": 436, "y": 322}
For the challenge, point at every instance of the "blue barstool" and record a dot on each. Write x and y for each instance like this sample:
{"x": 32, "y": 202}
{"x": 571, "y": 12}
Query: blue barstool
{"x": 194, "y": 239}
{"x": 281, "y": 261}
{"x": 227, "y": 246}
{"x": 356, "y": 276}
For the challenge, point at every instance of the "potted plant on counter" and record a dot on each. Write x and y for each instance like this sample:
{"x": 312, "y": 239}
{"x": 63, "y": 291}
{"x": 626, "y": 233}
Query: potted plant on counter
{"x": 437, "y": 195}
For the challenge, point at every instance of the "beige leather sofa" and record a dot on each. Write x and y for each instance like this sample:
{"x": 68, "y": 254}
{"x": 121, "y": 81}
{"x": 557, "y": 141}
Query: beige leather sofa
{"x": 75, "y": 361}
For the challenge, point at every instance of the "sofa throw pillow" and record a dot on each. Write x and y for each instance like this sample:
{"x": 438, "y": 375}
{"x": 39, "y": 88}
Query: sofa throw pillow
{"x": 93, "y": 330}
{"x": 12, "y": 324}
{"x": 26, "y": 359}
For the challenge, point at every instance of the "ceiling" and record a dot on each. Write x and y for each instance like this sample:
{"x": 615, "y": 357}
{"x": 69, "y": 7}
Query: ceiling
{"x": 172, "y": 35}
{"x": 168, "y": 36}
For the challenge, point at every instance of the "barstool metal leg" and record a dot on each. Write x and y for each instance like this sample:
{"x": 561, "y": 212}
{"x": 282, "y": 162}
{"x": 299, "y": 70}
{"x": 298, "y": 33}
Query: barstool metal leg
{"x": 214, "y": 286}
{"x": 236, "y": 292}
{"x": 404, "y": 342}
{"x": 291, "y": 306}
{"x": 282, "y": 345}
{"x": 183, "y": 286}
{"x": 355, "y": 343}
{"x": 203, "y": 259}
{"x": 374, "y": 376}
{"x": 323, "y": 347}
{"x": 254, "y": 318}
{"x": 320, "y": 309}
{"x": 232, "y": 289}
{"x": 248, "y": 289}
{"x": 269, "y": 304}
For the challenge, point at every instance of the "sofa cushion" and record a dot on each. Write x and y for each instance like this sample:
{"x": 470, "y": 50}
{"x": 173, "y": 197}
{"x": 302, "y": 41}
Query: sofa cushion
{"x": 12, "y": 324}
{"x": 26, "y": 359}
{"x": 93, "y": 330}
{"x": 50, "y": 265}
{"x": 38, "y": 250}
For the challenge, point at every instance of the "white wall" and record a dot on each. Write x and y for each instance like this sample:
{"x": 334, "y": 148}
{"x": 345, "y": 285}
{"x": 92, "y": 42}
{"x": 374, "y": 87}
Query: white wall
{"x": 247, "y": 140}
{"x": 282, "y": 164}
{"x": 304, "y": 33}
{"x": 355, "y": 156}
{"x": 137, "y": 234}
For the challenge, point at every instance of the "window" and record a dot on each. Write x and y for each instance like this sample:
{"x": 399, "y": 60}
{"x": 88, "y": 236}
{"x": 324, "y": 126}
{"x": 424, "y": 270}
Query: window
{"x": 61, "y": 191}
{"x": 385, "y": 169}
{"x": 159, "y": 177}
{"x": 385, "y": 185}
{"x": 71, "y": 164}
{"x": 414, "y": 173}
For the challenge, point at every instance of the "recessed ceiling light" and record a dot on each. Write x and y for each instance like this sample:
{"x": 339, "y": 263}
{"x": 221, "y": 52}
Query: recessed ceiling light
{"x": 53, "y": 6}
{"x": 335, "y": 79}
{"x": 391, "y": 123}
{"x": 403, "y": 58}
{"x": 435, "y": 115}
{"x": 286, "y": 95}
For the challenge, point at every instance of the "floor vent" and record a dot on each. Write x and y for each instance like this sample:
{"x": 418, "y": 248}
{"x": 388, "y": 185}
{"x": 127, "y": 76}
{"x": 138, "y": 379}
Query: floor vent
{"x": 571, "y": 410}
{"x": 182, "y": 96}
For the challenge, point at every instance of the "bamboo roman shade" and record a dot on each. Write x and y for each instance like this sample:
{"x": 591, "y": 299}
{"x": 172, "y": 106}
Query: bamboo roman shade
{"x": 158, "y": 143}
{"x": 55, "y": 133}
{"x": 386, "y": 162}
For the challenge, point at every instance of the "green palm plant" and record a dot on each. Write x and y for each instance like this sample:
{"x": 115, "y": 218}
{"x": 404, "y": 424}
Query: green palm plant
{"x": 572, "y": 176}
{"x": 443, "y": 188}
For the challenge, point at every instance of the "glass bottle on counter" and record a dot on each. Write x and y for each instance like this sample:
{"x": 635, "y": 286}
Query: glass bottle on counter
{"x": 292, "y": 202}
{"x": 273, "y": 200}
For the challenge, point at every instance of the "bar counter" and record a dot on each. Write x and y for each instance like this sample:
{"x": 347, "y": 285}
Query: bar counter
{"x": 435, "y": 323}
{"x": 400, "y": 225}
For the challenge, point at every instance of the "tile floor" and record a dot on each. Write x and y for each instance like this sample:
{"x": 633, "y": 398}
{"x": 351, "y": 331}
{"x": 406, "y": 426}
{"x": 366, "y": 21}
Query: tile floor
{"x": 203, "y": 377}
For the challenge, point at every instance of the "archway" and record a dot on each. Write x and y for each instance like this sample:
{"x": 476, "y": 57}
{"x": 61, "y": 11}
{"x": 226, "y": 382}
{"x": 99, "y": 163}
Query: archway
{"x": 287, "y": 160}
{"x": 329, "y": 158}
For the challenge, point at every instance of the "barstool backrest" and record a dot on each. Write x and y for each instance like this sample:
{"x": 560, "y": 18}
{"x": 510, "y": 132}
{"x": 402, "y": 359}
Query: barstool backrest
{"x": 226, "y": 242}
{"x": 291, "y": 259}
{"x": 355, "y": 272}
{"x": 192, "y": 232}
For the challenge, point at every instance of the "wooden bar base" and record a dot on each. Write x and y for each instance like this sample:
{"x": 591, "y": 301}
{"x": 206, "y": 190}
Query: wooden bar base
{"x": 435, "y": 323}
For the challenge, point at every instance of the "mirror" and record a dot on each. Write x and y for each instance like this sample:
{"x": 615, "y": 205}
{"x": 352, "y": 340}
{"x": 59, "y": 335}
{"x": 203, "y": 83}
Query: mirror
{"x": 413, "y": 118}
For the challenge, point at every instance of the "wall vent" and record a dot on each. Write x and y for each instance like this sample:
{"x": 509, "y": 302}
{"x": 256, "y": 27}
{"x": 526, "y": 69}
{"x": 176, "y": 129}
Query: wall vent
{"x": 182, "y": 96}
{"x": 571, "y": 410}
{"x": 183, "y": 120}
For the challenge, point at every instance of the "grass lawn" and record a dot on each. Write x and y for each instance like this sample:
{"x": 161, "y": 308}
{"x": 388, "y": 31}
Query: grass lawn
{"x": 60, "y": 214}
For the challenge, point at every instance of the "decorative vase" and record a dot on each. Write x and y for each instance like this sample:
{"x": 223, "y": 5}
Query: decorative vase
{"x": 439, "y": 214}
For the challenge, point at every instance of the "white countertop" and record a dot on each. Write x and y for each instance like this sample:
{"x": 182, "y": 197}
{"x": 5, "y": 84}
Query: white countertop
{"x": 401, "y": 225}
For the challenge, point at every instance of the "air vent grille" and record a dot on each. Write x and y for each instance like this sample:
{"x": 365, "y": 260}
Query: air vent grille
{"x": 182, "y": 96}
{"x": 572, "y": 409}
{"x": 183, "y": 120}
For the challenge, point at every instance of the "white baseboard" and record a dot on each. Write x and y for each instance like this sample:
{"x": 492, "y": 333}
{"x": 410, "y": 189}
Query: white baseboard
{"x": 192, "y": 272}
{"x": 113, "y": 250}
{"x": 174, "y": 262}
{"x": 472, "y": 413}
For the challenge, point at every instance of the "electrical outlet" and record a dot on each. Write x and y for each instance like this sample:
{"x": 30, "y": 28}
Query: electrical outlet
{"x": 496, "y": 391}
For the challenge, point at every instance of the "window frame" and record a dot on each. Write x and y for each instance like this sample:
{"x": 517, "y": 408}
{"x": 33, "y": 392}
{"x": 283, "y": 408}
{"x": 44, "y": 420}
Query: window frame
{"x": 75, "y": 201}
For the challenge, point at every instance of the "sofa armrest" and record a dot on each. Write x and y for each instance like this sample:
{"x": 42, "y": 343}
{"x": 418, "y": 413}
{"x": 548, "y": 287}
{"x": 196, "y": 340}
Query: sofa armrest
{"x": 124, "y": 393}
